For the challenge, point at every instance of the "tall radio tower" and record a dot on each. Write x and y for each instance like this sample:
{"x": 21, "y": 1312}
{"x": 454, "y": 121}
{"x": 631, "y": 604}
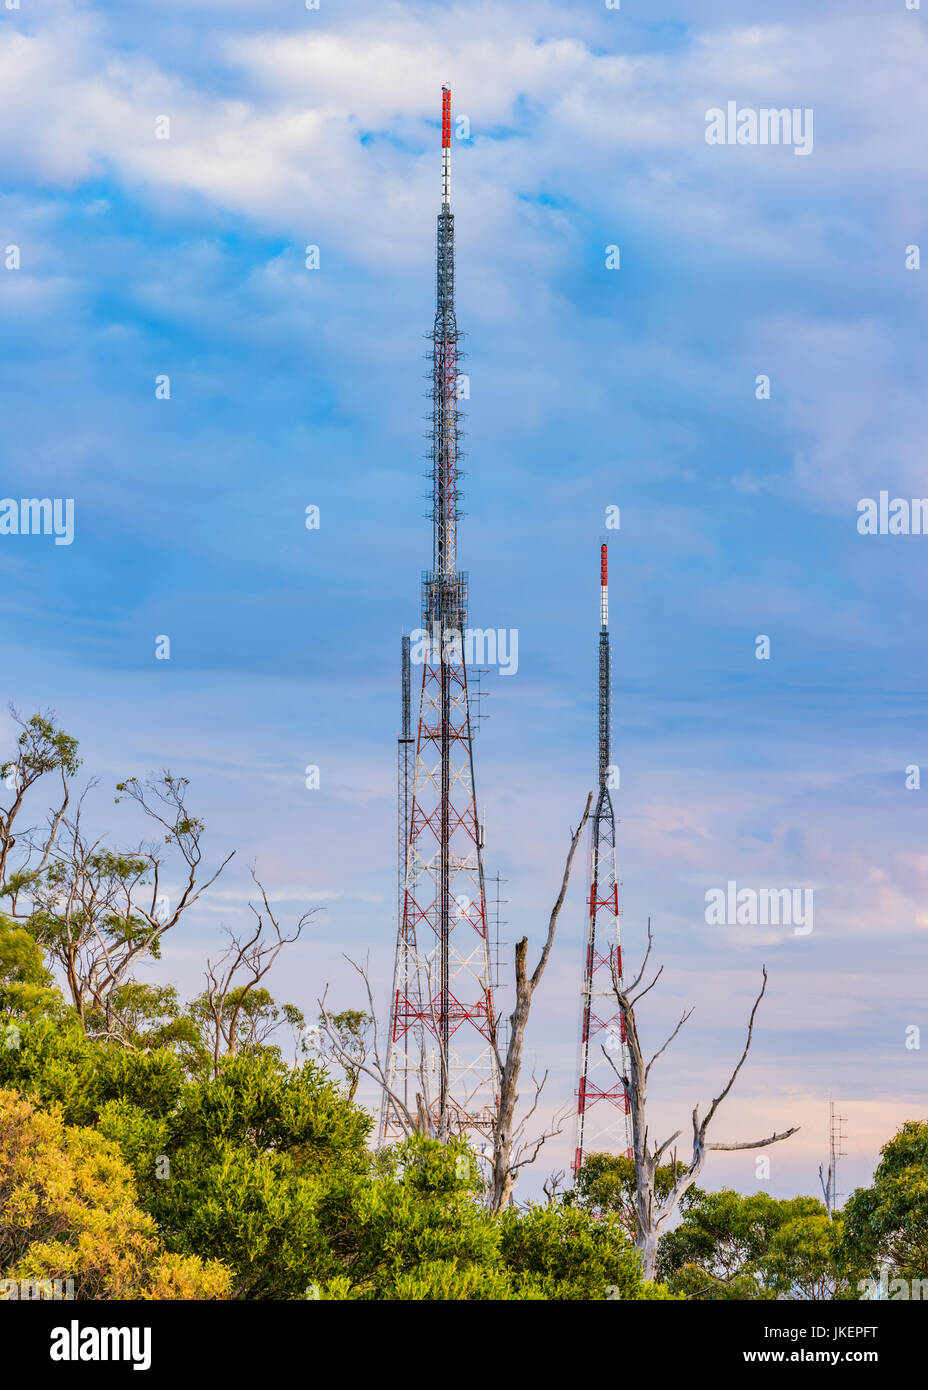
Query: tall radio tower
{"x": 441, "y": 1055}
{"x": 603, "y": 1048}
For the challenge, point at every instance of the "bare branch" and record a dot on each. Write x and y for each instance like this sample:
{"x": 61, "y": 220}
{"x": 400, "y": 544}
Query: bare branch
{"x": 644, "y": 964}
{"x": 758, "y": 1143}
{"x": 731, "y": 1080}
{"x": 555, "y": 911}
{"x": 232, "y": 980}
{"x": 633, "y": 1000}
{"x": 686, "y": 1014}
{"x": 662, "y": 1148}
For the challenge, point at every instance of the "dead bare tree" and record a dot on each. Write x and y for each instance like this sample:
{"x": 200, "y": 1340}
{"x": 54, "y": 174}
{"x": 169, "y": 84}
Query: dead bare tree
{"x": 653, "y": 1213}
{"x": 510, "y": 1150}
{"x": 238, "y": 1011}
{"x": 362, "y": 1057}
{"x": 551, "y": 1185}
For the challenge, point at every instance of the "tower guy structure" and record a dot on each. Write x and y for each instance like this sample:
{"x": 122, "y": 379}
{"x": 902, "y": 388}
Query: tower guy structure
{"x": 441, "y": 1057}
{"x": 603, "y": 1123}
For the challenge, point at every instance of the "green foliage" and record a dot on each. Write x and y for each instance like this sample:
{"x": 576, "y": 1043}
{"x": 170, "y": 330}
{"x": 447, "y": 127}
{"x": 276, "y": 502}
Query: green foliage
{"x": 264, "y": 1172}
{"x": 152, "y": 1017}
{"x": 56, "y": 1064}
{"x": 719, "y": 1240}
{"x": 413, "y": 1230}
{"x": 249, "y": 1015}
{"x": 351, "y": 1028}
{"x": 41, "y": 748}
{"x": 732, "y": 1247}
{"x": 562, "y": 1252}
{"x": 255, "y": 1212}
{"x": 97, "y": 890}
{"x": 27, "y": 988}
{"x": 232, "y": 1168}
{"x": 417, "y": 1209}
{"x": 259, "y": 1101}
{"x": 252, "y": 1156}
{"x": 807, "y": 1259}
{"x": 887, "y": 1223}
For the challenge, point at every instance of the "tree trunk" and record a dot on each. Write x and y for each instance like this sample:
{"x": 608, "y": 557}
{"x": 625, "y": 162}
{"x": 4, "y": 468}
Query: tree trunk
{"x": 647, "y": 1244}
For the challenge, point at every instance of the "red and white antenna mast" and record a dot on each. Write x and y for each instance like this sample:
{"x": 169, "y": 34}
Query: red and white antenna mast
{"x": 446, "y": 147}
{"x": 603, "y": 1079}
{"x": 442, "y": 1023}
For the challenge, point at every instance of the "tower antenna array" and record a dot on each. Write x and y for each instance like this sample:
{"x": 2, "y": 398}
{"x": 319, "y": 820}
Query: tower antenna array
{"x": 441, "y": 1052}
{"x": 837, "y": 1137}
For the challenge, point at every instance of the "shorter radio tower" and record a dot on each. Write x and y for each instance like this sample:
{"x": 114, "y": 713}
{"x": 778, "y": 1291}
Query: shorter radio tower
{"x": 604, "y": 1061}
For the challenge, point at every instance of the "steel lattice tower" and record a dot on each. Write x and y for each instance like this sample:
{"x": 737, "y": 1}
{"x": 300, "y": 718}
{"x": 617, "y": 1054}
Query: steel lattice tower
{"x": 603, "y": 1049}
{"x": 442, "y": 1022}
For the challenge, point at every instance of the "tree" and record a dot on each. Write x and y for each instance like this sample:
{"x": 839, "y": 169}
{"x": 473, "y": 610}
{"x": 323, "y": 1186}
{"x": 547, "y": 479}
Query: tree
{"x": 415, "y": 1228}
{"x": 57, "y": 1066}
{"x": 68, "y": 1209}
{"x": 235, "y": 1009}
{"x": 26, "y": 986}
{"x": 98, "y": 911}
{"x": 265, "y": 1169}
{"x": 351, "y": 1039}
{"x": 247, "y": 1167}
{"x": 756, "y": 1247}
{"x": 606, "y": 1184}
{"x": 886, "y": 1224}
{"x": 357, "y": 1053}
{"x": 155, "y": 1150}
{"x": 42, "y": 749}
{"x": 653, "y": 1212}
{"x": 713, "y": 1252}
{"x": 152, "y": 1017}
{"x": 563, "y": 1253}
{"x": 807, "y": 1258}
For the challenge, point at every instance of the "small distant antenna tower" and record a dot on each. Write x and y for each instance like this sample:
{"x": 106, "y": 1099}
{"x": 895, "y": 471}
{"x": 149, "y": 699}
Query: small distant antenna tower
{"x": 837, "y": 1138}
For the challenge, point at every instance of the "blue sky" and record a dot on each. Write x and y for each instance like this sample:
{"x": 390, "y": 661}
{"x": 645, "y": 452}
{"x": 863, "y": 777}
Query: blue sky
{"x": 589, "y": 387}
